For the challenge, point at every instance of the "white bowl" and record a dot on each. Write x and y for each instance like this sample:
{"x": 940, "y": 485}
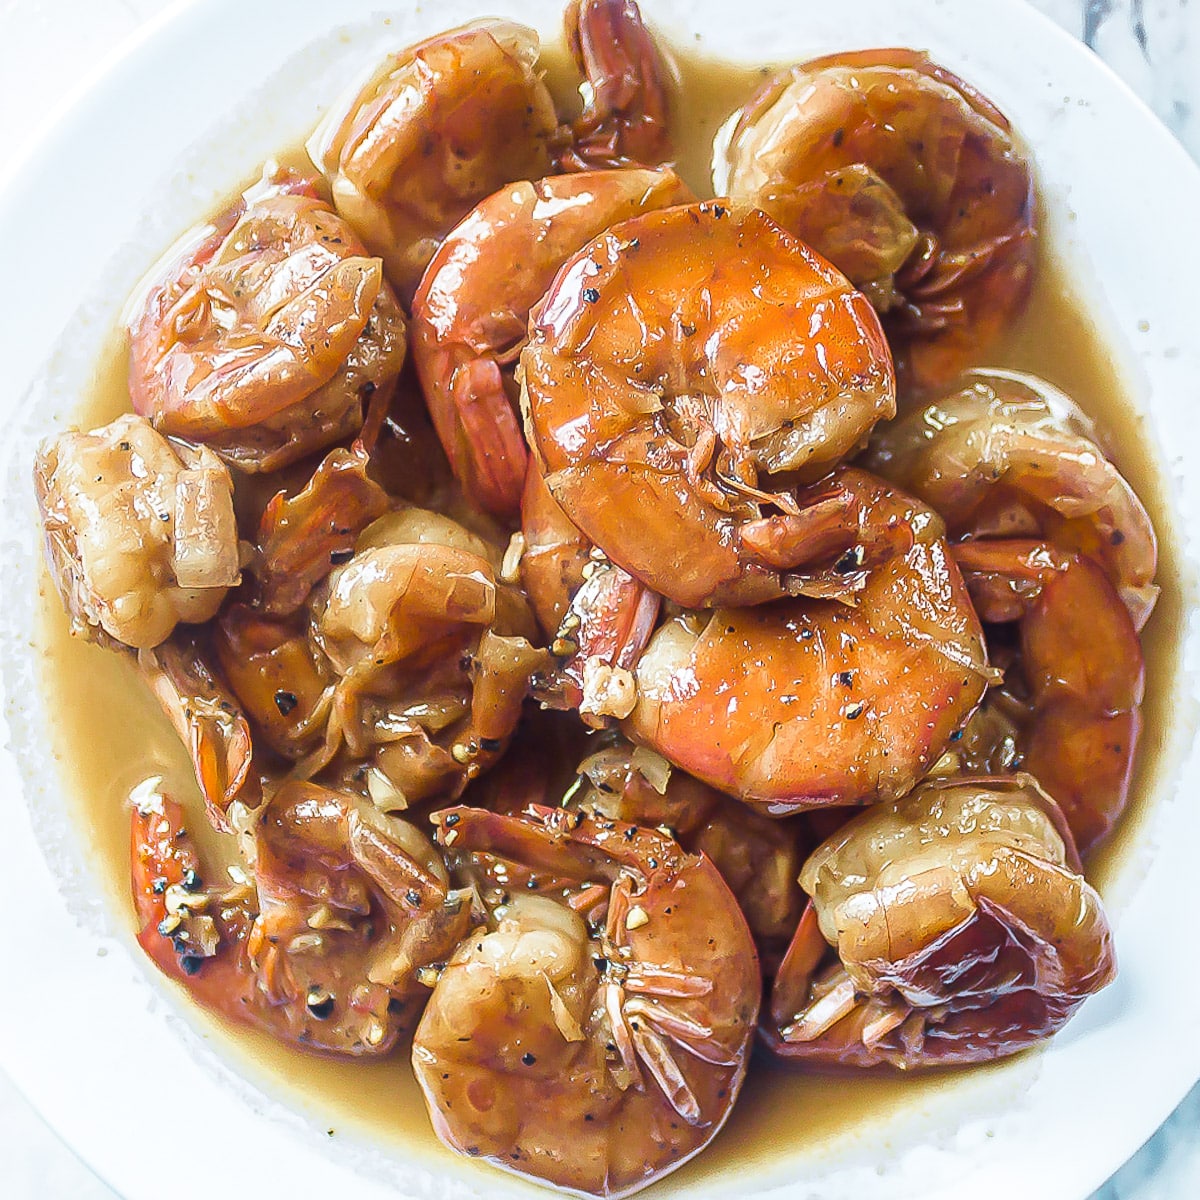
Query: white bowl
{"x": 87, "y": 1031}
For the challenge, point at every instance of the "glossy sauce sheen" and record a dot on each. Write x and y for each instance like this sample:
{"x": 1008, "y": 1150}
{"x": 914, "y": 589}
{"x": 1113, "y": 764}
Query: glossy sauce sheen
{"x": 110, "y": 735}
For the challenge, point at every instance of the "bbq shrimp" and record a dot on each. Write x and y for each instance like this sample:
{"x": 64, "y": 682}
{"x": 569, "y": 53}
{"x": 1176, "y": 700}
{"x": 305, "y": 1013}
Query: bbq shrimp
{"x": 664, "y": 384}
{"x": 266, "y": 338}
{"x": 909, "y": 181}
{"x": 599, "y": 1040}
{"x": 963, "y": 929}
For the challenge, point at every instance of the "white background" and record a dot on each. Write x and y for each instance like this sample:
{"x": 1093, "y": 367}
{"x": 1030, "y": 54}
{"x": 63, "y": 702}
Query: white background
{"x": 48, "y": 47}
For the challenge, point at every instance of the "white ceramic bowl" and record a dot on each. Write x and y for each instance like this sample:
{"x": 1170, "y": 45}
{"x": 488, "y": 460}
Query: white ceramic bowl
{"x": 188, "y": 113}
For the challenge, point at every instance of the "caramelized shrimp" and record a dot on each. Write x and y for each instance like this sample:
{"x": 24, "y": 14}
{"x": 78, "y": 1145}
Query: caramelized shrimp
{"x": 626, "y": 112}
{"x": 910, "y": 182}
{"x": 1009, "y": 455}
{"x": 963, "y": 930}
{"x": 139, "y": 531}
{"x": 810, "y": 702}
{"x": 440, "y": 126}
{"x": 471, "y": 311}
{"x": 1082, "y": 666}
{"x": 676, "y": 364}
{"x": 599, "y": 1041}
{"x": 319, "y": 937}
{"x": 264, "y": 340}
{"x": 431, "y": 654}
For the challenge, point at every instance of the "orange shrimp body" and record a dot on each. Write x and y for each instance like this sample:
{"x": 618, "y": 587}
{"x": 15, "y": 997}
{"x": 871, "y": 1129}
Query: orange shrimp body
{"x": 963, "y": 929}
{"x": 908, "y": 180}
{"x": 440, "y": 126}
{"x": 265, "y": 340}
{"x": 810, "y": 702}
{"x": 471, "y": 311}
{"x": 1082, "y": 666}
{"x": 597, "y": 1054}
{"x": 677, "y": 363}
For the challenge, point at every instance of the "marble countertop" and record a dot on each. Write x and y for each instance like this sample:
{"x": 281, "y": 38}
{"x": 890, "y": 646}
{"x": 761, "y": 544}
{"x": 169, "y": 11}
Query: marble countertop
{"x": 47, "y": 45}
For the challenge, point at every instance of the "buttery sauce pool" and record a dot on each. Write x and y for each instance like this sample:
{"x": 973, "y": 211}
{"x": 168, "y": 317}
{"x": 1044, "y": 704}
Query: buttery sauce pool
{"x": 110, "y": 734}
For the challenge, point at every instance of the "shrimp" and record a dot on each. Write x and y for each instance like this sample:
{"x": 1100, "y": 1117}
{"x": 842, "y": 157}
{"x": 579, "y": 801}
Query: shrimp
{"x": 907, "y": 179}
{"x": 431, "y": 654}
{"x": 626, "y": 112}
{"x": 264, "y": 339}
{"x": 1008, "y": 455}
{"x": 438, "y": 127}
{"x": 597, "y": 1041}
{"x": 963, "y": 930}
{"x": 321, "y": 936}
{"x": 140, "y": 532}
{"x": 810, "y": 702}
{"x": 676, "y": 364}
{"x": 759, "y": 858}
{"x": 1082, "y": 666}
{"x": 205, "y": 713}
{"x": 471, "y": 311}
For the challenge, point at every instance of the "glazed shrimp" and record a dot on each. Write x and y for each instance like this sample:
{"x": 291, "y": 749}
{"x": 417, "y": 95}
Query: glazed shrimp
{"x": 908, "y": 180}
{"x": 266, "y": 338}
{"x": 471, "y": 312}
{"x": 598, "y": 1041}
{"x": 139, "y": 532}
{"x": 1009, "y": 455}
{"x": 320, "y": 935}
{"x": 438, "y": 127}
{"x": 963, "y": 930}
{"x": 675, "y": 365}
{"x": 431, "y": 654}
{"x": 1082, "y": 666}
{"x": 626, "y": 89}
{"x": 812, "y": 702}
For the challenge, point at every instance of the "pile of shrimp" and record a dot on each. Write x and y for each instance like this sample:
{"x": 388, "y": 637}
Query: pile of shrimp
{"x": 614, "y": 629}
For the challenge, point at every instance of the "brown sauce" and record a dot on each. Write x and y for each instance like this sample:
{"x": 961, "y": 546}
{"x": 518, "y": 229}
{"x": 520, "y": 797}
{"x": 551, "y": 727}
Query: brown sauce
{"x": 110, "y": 735}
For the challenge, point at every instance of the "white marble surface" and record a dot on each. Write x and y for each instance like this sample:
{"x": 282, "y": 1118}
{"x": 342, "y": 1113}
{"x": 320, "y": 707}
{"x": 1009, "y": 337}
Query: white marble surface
{"x": 48, "y": 46}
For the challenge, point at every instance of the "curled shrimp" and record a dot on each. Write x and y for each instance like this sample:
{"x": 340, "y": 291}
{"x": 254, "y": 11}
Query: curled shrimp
{"x": 678, "y": 363}
{"x": 810, "y": 702}
{"x": 962, "y": 927}
{"x": 318, "y": 937}
{"x": 907, "y": 179}
{"x": 1081, "y": 664}
{"x": 626, "y": 111}
{"x": 437, "y": 128}
{"x": 471, "y": 311}
{"x": 140, "y": 532}
{"x": 1009, "y": 455}
{"x": 430, "y": 653}
{"x": 597, "y": 1041}
{"x": 267, "y": 336}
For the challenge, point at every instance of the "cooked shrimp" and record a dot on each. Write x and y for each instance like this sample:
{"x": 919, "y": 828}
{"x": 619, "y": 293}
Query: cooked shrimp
{"x": 963, "y": 929}
{"x": 439, "y": 126}
{"x": 595, "y": 1054}
{"x": 432, "y": 656}
{"x": 266, "y": 338}
{"x": 811, "y": 702}
{"x": 759, "y": 858}
{"x": 626, "y": 89}
{"x": 676, "y": 365}
{"x": 140, "y": 532}
{"x": 319, "y": 938}
{"x": 471, "y": 311}
{"x": 908, "y": 180}
{"x": 1082, "y": 665}
{"x": 1010, "y": 456}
